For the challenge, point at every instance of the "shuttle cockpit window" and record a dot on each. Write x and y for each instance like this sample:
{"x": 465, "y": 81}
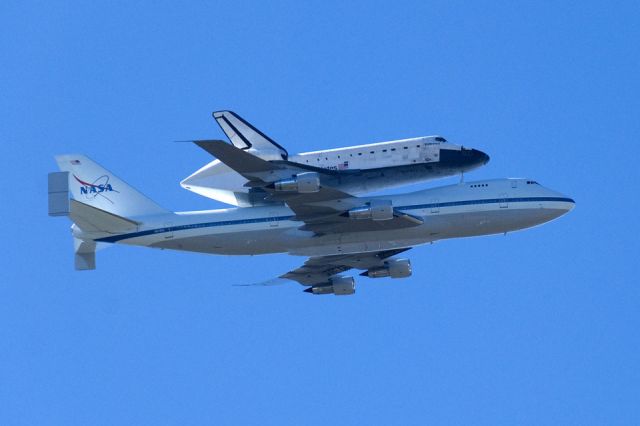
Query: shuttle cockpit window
{"x": 440, "y": 139}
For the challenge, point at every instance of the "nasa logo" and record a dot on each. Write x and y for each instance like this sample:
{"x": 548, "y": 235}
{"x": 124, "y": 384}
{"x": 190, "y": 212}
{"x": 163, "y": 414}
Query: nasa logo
{"x": 99, "y": 186}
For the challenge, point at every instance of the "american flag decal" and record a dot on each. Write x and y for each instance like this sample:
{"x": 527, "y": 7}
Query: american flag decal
{"x": 343, "y": 166}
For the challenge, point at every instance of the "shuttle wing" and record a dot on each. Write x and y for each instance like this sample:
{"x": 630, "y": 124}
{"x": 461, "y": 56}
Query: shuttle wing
{"x": 325, "y": 210}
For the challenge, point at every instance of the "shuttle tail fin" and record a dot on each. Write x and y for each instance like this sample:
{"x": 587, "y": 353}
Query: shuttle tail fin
{"x": 244, "y": 136}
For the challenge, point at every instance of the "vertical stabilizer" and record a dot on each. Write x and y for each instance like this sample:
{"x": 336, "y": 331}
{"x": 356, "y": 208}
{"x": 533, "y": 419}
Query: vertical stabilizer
{"x": 91, "y": 184}
{"x": 244, "y": 136}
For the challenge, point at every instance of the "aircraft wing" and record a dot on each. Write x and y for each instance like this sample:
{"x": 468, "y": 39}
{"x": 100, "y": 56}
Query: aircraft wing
{"x": 322, "y": 208}
{"x": 319, "y": 270}
{"x": 333, "y": 217}
{"x": 322, "y": 274}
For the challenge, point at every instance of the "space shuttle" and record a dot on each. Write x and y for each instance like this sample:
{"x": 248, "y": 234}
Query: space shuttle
{"x": 354, "y": 169}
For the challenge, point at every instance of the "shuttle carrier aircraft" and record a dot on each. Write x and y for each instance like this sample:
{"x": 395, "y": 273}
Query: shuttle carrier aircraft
{"x": 304, "y": 216}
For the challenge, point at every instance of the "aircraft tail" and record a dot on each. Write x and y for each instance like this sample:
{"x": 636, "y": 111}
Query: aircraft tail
{"x": 244, "y": 136}
{"x": 91, "y": 184}
{"x": 97, "y": 202}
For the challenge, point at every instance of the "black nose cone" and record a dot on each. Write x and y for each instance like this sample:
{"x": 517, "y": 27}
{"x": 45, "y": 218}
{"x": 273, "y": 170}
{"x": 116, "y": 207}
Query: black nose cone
{"x": 464, "y": 159}
{"x": 482, "y": 158}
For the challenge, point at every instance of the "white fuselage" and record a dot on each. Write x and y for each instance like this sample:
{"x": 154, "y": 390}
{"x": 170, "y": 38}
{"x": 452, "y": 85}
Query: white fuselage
{"x": 377, "y": 155}
{"x": 462, "y": 210}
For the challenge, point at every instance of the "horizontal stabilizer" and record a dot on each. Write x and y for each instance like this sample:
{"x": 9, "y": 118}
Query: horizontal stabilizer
{"x": 92, "y": 219}
{"x": 85, "y": 216}
{"x": 85, "y": 255}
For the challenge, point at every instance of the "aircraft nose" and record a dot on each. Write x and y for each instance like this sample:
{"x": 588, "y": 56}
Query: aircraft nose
{"x": 482, "y": 157}
{"x": 463, "y": 159}
{"x": 569, "y": 204}
{"x": 562, "y": 203}
{"x": 475, "y": 157}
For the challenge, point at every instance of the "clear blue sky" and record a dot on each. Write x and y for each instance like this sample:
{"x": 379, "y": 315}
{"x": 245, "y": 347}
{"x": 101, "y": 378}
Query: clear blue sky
{"x": 539, "y": 327}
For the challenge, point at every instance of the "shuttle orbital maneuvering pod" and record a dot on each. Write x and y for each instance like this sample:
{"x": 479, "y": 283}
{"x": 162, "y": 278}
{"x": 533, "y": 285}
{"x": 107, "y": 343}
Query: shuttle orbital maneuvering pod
{"x": 311, "y": 211}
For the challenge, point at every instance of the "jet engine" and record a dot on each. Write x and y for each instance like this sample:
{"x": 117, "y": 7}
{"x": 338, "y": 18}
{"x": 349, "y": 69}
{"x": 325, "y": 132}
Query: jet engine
{"x": 303, "y": 183}
{"x": 340, "y": 286}
{"x": 374, "y": 210}
{"x": 394, "y": 268}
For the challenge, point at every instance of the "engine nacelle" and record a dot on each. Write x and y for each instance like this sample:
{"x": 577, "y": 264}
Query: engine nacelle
{"x": 375, "y": 210}
{"x": 303, "y": 183}
{"x": 394, "y": 268}
{"x": 343, "y": 286}
{"x": 340, "y": 286}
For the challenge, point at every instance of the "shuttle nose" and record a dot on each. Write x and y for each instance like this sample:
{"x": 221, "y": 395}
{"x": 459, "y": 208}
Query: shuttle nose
{"x": 481, "y": 156}
{"x": 463, "y": 159}
{"x": 474, "y": 157}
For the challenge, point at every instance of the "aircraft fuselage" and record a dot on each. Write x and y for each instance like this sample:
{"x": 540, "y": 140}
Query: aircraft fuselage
{"x": 462, "y": 210}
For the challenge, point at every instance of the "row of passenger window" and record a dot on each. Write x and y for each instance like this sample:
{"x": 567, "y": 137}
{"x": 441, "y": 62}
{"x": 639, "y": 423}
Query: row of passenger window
{"x": 478, "y": 185}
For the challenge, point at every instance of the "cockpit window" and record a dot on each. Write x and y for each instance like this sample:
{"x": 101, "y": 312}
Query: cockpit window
{"x": 440, "y": 139}
{"x": 532, "y": 182}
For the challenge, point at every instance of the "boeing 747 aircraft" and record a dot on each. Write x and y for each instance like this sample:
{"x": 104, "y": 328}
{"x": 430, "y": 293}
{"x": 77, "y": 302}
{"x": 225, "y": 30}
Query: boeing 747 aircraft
{"x": 336, "y": 230}
{"x": 354, "y": 169}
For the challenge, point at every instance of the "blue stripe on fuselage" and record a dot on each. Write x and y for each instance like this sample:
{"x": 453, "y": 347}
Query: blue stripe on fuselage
{"x": 115, "y": 238}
